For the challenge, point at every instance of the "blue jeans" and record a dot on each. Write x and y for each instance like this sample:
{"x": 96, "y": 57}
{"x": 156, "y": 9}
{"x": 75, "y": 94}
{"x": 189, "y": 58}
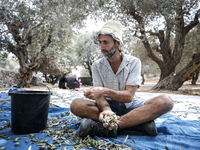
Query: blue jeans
{"x": 120, "y": 109}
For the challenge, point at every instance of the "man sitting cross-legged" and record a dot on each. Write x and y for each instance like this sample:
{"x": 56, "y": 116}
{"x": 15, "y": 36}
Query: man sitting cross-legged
{"x": 116, "y": 78}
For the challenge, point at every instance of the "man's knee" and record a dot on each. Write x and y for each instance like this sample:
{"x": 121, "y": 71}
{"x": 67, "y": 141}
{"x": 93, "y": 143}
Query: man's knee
{"x": 162, "y": 102}
{"x": 75, "y": 105}
{"x": 165, "y": 102}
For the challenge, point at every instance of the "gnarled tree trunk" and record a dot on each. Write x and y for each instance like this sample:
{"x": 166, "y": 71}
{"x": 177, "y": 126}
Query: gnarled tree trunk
{"x": 169, "y": 54}
{"x": 26, "y": 74}
{"x": 27, "y": 65}
{"x": 174, "y": 82}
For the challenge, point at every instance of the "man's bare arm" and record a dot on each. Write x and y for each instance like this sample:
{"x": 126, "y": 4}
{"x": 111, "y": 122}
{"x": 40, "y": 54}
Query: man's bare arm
{"x": 124, "y": 96}
{"x": 102, "y": 104}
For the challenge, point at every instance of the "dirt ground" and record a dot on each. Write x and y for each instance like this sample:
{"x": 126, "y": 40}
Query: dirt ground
{"x": 186, "y": 89}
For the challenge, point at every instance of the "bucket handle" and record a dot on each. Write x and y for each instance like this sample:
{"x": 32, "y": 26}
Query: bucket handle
{"x": 50, "y": 90}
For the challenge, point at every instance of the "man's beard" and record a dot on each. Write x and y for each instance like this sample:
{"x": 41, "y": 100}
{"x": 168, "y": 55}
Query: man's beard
{"x": 110, "y": 52}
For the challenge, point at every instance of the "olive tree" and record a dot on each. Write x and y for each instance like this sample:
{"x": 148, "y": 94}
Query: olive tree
{"x": 28, "y": 28}
{"x": 87, "y": 51}
{"x": 149, "y": 67}
{"x": 192, "y": 48}
{"x": 169, "y": 21}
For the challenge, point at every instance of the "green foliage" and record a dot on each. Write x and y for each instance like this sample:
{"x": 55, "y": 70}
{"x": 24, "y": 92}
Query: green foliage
{"x": 30, "y": 27}
{"x": 3, "y": 59}
{"x": 7, "y": 62}
{"x": 87, "y": 52}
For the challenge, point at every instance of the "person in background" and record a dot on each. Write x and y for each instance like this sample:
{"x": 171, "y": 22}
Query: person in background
{"x": 79, "y": 80}
{"x": 75, "y": 76}
{"x": 72, "y": 82}
{"x": 63, "y": 82}
{"x": 116, "y": 78}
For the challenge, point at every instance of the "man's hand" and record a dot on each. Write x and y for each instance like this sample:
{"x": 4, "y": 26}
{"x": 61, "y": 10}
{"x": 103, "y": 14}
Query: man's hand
{"x": 94, "y": 93}
{"x": 108, "y": 113}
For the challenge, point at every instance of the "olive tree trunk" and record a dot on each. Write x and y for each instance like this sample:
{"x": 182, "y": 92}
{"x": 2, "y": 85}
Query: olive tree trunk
{"x": 174, "y": 82}
{"x": 27, "y": 65}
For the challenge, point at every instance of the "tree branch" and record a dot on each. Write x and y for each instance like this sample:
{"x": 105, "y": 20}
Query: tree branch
{"x": 48, "y": 40}
{"x": 192, "y": 23}
{"x": 11, "y": 48}
{"x": 187, "y": 72}
{"x": 13, "y": 28}
{"x": 33, "y": 27}
{"x": 136, "y": 16}
{"x": 151, "y": 55}
{"x": 44, "y": 55}
{"x": 152, "y": 33}
{"x": 34, "y": 57}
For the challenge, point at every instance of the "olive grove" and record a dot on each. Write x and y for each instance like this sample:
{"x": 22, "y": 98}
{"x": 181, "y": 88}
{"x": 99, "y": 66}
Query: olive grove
{"x": 170, "y": 22}
{"x": 42, "y": 37}
{"x": 87, "y": 51}
{"x": 31, "y": 28}
{"x": 192, "y": 48}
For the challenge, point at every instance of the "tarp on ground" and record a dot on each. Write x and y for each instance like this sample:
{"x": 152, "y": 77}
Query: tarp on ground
{"x": 4, "y": 96}
{"x": 173, "y": 133}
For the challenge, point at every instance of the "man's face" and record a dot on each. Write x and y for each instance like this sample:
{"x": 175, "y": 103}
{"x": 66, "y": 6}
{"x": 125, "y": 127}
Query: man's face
{"x": 107, "y": 45}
